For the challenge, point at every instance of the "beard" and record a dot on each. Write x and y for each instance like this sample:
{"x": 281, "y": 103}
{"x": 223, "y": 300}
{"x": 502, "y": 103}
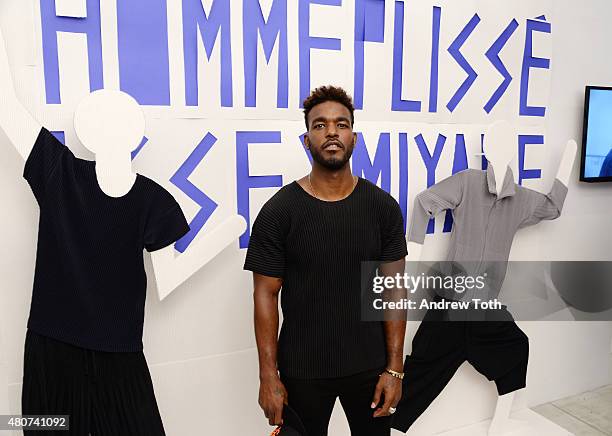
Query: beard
{"x": 333, "y": 163}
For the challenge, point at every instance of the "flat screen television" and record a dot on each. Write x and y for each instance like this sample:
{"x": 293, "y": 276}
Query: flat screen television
{"x": 596, "y": 162}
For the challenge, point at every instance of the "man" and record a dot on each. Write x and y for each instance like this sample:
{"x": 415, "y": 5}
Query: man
{"x": 310, "y": 240}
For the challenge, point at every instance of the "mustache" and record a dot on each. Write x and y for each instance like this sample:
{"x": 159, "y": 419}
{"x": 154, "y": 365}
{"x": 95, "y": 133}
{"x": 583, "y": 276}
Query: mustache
{"x": 333, "y": 142}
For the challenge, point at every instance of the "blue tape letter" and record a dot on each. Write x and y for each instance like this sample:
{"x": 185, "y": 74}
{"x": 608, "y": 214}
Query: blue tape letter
{"x": 194, "y": 19}
{"x": 144, "y": 65}
{"x": 529, "y": 61}
{"x": 380, "y": 168}
{"x": 244, "y": 181}
{"x": 370, "y": 27}
{"x": 308, "y": 42}
{"x": 276, "y": 27}
{"x": 51, "y": 25}
{"x": 530, "y": 173}
{"x": 455, "y": 52}
{"x": 493, "y": 56}
{"x": 181, "y": 180}
{"x": 431, "y": 163}
{"x": 397, "y": 104}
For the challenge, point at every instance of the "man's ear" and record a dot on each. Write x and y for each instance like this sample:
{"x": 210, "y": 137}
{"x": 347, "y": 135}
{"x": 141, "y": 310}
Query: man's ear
{"x": 306, "y": 141}
{"x": 354, "y": 139}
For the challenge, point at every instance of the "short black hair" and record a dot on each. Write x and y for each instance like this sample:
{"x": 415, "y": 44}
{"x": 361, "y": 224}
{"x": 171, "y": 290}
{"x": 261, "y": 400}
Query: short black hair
{"x": 328, "y": 93}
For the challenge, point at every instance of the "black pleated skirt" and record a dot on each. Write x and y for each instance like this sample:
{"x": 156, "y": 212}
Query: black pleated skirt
{"x": 105, "y": 394}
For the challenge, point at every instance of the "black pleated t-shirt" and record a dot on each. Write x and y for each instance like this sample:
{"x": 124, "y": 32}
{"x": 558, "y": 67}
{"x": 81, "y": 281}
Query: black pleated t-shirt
{"x": 89, "y": 281}
{"x": 317, "y": 248}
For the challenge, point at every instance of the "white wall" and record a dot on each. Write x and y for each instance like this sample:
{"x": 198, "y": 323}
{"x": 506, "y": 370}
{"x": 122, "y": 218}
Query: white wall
{"x": 199, "y": 342}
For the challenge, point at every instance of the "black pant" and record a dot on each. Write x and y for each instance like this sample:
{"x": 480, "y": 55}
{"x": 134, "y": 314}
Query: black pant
{"x": 497, "y": 349}
{"x": 105, "y": 394}
{"x": 313, "y": 401}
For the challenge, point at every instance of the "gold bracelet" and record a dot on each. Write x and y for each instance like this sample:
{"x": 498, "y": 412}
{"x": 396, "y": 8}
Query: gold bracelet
{"x": 395, "y": 374}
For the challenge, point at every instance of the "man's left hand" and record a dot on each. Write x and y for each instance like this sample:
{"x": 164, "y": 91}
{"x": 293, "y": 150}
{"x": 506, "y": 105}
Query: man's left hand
{"x": 390, "y": 388}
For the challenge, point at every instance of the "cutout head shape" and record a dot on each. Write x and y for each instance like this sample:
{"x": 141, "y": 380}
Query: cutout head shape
{"x": 109, "y": 122}
{"x": 500, "y": 144}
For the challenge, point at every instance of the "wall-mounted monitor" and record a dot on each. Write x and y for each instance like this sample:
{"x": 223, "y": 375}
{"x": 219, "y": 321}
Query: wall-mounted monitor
{"x": 596, "y": 162}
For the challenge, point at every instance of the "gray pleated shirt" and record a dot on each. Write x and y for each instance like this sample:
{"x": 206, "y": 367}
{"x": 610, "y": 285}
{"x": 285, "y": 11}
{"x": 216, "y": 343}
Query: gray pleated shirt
{"x": 484, "y": 223}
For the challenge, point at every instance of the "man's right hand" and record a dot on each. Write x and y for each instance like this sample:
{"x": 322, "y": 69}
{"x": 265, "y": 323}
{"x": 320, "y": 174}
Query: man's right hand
{"x": 272, "y": 397}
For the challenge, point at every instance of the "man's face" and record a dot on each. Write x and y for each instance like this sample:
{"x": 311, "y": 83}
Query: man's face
{"x": 330, "y": 136}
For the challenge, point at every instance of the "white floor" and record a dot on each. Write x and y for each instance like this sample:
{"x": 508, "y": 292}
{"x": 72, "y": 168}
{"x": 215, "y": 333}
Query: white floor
{"x": 587, "y": 414}
{"x": 533, "y": 425}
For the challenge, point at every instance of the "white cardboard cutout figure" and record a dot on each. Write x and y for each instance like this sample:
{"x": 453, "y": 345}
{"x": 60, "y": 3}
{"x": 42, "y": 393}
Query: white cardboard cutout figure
{"x": 111, "y": 124}
{"x": 500, "y": 149}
